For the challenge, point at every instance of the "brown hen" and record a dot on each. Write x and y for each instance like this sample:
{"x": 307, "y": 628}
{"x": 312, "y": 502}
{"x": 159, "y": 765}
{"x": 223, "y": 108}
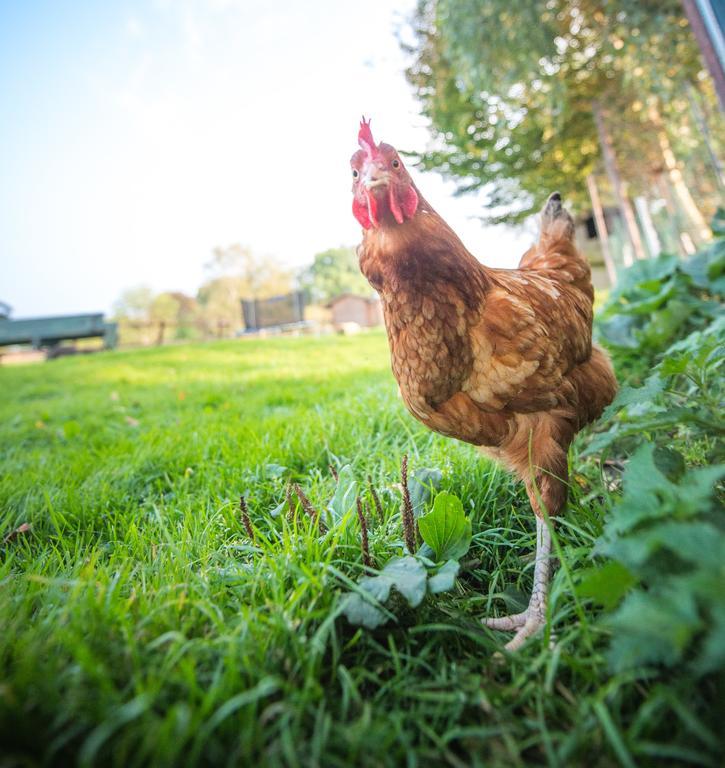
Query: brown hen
{"x": 502, "y": 359}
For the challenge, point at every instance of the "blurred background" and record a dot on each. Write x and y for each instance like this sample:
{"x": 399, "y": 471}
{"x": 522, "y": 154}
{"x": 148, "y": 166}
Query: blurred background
{"x": 179, "y": 170}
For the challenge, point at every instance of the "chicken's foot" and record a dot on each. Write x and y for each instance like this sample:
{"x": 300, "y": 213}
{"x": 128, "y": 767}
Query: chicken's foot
{"x": 533, "y": 618}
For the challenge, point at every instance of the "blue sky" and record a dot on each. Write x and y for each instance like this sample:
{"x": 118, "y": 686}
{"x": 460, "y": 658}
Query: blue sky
{"x": 137, "y": 136}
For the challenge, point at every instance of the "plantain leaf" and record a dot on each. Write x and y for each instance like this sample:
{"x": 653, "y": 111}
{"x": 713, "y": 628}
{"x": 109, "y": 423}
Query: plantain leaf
{"x": 345, "y": 494}
{"x": 422, "y": 482}
{"x": 363, "y": 610}
{"x": 444, "y": 580}
{"x": 446, "y": 529}
{"x": 408, "y": 575}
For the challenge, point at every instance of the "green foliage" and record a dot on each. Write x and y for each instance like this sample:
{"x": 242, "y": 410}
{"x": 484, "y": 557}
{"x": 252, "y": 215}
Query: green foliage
{"x": 446, "y": 532}
{"x": 681, "y": 399}
{"x": 446, "y": 529}
{"x": 659, "y": 301}
{"x": 445, "y": 578}
{"x": 343, "y": 502}
{"x": 333, "y": 272}
{"x": 406, "y": 574}
{"x": 422, "y": 483}
{"x": 509, "y": 89}
{"x": 664, "y": 540}
{"x": 664, "y": 533}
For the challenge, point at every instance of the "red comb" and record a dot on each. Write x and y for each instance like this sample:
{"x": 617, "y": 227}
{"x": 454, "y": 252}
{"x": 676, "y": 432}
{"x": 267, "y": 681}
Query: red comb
{"x": 365, "y": 137}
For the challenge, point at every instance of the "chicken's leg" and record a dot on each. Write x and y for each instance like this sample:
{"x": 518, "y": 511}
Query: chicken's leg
{"x": 533, "y": 618}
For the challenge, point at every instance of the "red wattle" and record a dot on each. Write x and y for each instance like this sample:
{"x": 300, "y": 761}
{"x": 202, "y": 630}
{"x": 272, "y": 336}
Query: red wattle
{"x": 409, "y": 203}
{"x": 395, "y": 206}
{"x": 404, "y": 205}
{"x": 360, "y": 212}
{"x": 372, "y": 207}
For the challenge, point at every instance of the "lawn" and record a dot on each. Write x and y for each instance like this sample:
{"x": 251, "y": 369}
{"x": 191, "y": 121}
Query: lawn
{"x": 140, "y": 626}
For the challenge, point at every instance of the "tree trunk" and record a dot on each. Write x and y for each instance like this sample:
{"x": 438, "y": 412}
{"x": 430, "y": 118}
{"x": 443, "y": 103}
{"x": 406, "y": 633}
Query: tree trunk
{"x": 620, "y": 192}
{"x": 663, "y": 188}
{"x": 713, "y": 62}
{"x": 648, "y": 228}
{"x": 601, "y": 225}
{"x": 701, "y": 120}
{"x": 678, "y": 181}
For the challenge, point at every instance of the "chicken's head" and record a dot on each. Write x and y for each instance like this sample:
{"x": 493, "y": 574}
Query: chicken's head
{"x": 383, "y": 192}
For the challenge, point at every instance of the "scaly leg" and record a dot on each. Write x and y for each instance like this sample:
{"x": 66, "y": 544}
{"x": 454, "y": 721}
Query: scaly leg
{"x": 533, "y": 618}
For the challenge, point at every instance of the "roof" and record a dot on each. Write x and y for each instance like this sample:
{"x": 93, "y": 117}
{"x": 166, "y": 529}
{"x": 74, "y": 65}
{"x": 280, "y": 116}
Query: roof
{"x": 374, "y": 299}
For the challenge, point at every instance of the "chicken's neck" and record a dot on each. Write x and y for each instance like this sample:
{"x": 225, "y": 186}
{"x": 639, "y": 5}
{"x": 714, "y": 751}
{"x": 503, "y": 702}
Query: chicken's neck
{"x": 421, "y": 255}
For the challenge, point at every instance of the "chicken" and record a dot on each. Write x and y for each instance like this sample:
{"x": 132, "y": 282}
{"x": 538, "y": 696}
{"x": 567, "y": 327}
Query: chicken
{"x": 501, "y": 359}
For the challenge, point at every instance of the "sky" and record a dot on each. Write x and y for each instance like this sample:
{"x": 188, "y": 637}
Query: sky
{"x": 138, "y": 136}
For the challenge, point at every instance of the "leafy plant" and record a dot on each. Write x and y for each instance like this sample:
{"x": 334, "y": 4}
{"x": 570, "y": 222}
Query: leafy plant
{"x": 663, "y": 543}
{"x": 664, "y": 537}
{"x": 659, "y": 301}
{"x": 446, "y": 533}
{"x": 681, "y": 399}
{"x": 446, "y": 529}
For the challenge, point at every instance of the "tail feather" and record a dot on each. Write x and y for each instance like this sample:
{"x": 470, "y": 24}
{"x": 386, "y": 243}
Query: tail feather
{"x": 556, "y": 251}
{"x": 595, "y": 384}
{"x": 556, "y": 221}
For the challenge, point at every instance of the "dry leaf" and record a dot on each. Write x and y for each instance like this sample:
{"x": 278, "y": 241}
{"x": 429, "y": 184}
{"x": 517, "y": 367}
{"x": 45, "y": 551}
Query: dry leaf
{"x": 24, "y": 528}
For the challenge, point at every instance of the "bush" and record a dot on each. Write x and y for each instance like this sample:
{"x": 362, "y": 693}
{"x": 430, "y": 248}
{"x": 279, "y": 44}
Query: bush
{"x": 663, "y": 545}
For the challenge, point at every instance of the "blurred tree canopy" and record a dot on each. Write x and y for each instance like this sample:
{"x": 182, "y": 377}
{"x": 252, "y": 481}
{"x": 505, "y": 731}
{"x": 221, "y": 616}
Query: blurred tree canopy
{"x": 333, "y": 272}
{"x": 522, "y": 96}
{"x": 235, "y": 273}
{"x": 134, "y": 304}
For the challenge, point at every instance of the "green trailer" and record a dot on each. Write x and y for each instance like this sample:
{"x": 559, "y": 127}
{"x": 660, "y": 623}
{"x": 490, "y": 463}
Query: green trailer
{"x": 50, "y": 332}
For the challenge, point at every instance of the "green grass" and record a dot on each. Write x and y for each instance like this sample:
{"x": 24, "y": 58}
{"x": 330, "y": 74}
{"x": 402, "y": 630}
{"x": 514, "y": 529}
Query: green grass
{"x": 140, "y": 627}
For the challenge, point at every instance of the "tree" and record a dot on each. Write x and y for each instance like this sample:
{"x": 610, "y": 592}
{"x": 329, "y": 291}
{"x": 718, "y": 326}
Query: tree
{"x": 333, "y": 272}
{"x": 134, "y": 304}
{"x": 260, "y": 277}
{"x": 220, "y": 303}
{"x": 236, "y": 273}
{"x": 525, "y": 97}
{"x": 177, "y": 311}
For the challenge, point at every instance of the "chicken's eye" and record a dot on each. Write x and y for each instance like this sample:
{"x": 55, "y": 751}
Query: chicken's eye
{"x": 396, "y": 163}
{"x": 355, "y": 173}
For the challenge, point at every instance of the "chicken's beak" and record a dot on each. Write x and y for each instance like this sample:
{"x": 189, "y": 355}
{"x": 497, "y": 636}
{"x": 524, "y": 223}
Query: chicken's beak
{"x": 374, "y": 176}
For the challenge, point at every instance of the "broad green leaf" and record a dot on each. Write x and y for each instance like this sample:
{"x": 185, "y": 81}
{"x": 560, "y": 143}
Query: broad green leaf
{"x": 664, "y": 324}
{"x": 644, "y": 488}
{"x": 406, "y": 574}
{"x": 697, "y": 542}
{"x": 279, "y": 509}
{"x": 345, "y": 494}
{"x": 270, "y": 471}
{"x": 652, "y": 627}
{"x": 670, "y": 462}
{"x": 712, "y": 657}
{"x": 421, "y": 484}
{"x": 446, "y": 529}
{"x": 362, "y": 612}
{"x": 619, "y": 332}
{"x": 606, "y": 584}
{"x": 628, "y": 396}
{"x": 650, "y": 271}
{"x": 445, "y": 579}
